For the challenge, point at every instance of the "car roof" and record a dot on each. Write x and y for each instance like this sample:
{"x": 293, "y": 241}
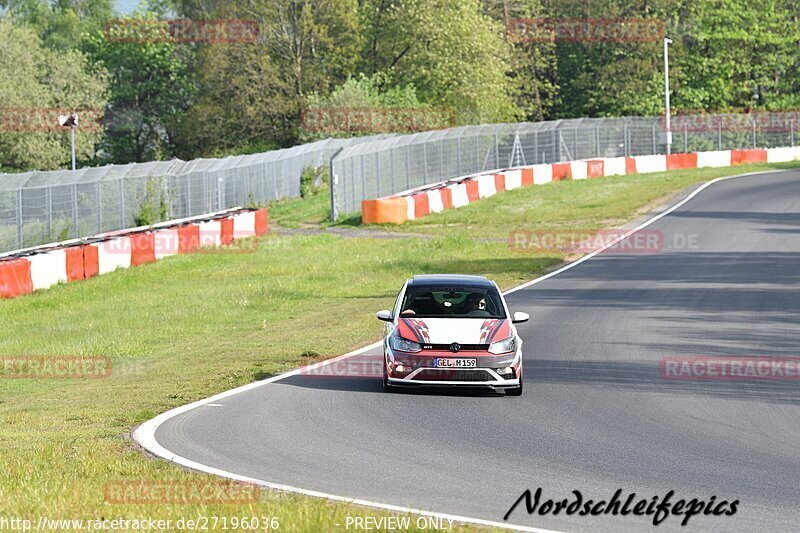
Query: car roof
{"x": 450, "y": 279}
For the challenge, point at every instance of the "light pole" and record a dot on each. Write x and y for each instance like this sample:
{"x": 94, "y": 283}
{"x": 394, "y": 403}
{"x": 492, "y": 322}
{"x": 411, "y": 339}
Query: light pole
{"x": 70, "y": 121}
{"x": 667, "y": 42}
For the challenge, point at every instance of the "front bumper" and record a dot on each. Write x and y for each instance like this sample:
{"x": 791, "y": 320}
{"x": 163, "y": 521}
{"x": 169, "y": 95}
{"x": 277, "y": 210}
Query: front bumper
{"x": 493, "y": 380}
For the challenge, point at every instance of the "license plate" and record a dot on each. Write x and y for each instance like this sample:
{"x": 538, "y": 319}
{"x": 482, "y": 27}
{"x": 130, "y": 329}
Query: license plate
{"x": 455, "y": 363}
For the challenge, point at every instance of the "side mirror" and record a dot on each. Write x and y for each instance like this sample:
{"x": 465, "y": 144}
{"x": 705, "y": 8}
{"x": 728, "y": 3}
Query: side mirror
{"x": 520, "y": 317}
{"x": 385, "y": 315}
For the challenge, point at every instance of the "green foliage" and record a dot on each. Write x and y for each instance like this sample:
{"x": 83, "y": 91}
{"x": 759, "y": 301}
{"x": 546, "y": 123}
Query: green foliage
{"x": 449, "y": 50}
{"x": 314, "y": 180}
{"x": 40, "y": 78}
{"x": 152, "y": 85}
{"x": 153, "y": 204}
{"x": 168, "y": 99}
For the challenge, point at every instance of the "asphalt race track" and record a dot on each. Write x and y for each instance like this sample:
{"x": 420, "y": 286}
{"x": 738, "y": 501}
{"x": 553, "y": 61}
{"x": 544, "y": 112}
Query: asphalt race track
{"x": 596, "y": 414}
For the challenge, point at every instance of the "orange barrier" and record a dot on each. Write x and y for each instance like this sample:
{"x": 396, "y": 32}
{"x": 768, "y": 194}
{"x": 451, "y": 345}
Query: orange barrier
{"x": 447, "y": 197}
{"x": 595, "y": 168}
{"x": 499, "y": 182}
{"x": 679, "y": 161}
{"x": 527, "y": 176}
{"x": 262, "y": 228}
{"x": 91, "y": 261}
{"x": 188, "y": 238}
{"x": 75, "y": 268}
{"x": 226, "y": 231}
{"x": 741, "y": 157}
{"x": 82, "y": 261}
{"x": 15, "y": 278}
{"x": 421, "y": 207}
{"x": 473, "y": 192}
{"x": 143, "y": 248}
{"x": 630, "y": 165}
{"x": 562, "y": 171}
{"x": 393, "y": 210}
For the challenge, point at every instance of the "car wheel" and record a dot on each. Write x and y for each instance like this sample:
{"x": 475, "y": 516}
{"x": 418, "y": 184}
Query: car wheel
{"x": 515, "y": 391}
{"x": 386, "y": 386}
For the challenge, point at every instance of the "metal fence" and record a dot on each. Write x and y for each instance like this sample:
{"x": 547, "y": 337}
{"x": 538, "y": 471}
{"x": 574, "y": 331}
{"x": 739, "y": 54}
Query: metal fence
{"x": 387, "y": 166}
{"x": 43, "y": 207}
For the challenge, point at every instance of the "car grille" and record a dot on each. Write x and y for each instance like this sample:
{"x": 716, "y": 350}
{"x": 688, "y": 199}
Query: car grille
{"x": 463, "y": 347}
{"x": 452, "y": 374}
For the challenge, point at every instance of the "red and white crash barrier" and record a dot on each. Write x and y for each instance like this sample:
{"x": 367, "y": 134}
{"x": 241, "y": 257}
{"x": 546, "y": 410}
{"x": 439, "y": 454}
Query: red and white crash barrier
{"x": 47, "y": 266}
{"x": 458, "y": 192}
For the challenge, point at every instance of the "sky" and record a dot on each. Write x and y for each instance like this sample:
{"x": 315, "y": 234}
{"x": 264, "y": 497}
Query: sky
{"x": 125, "y": 6}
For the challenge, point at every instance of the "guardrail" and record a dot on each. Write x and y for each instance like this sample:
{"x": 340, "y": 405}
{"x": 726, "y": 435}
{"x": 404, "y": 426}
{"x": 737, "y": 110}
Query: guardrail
{"x": 34, "y": 269}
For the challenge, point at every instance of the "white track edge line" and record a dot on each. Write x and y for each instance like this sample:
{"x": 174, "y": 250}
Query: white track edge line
{"x": 145, "y": 434}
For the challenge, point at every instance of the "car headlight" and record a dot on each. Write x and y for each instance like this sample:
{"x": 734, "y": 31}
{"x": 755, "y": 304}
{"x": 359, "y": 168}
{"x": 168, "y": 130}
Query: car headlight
{"x": 403, "y": 345}
{"x": 504, "y": 346}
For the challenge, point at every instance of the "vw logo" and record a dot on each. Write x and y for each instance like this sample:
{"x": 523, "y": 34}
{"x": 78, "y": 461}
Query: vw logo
{"x": 455, "y": 347}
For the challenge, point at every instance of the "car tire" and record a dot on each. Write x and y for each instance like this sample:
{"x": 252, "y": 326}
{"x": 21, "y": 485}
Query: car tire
{"x": 386, "y": 386}
{"x": 515, "y": 391}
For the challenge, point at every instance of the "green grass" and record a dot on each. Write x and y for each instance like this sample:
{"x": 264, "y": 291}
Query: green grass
{"x": 589, "y": 204}
{"x": 293, "y": 213}
{"x": 191, "y": 326}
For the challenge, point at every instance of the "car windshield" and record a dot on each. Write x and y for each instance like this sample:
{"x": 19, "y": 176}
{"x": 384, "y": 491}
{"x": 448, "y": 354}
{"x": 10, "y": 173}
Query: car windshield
{"x": 452, "y": 302}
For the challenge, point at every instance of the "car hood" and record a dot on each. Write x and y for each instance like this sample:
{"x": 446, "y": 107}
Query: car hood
{"x": 449, "y": 330}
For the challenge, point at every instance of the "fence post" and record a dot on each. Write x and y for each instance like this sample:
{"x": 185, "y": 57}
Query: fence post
{"x": 754, "y": 131}
{"x": 220, "y": 193}
{"x": 99, "y": 206}
{"x": 394, "y": 173}
{"x": 535, "y": 147}
{"x": 791, "y": 133}
{"x": 408, "y": 166}
{"x": 75, "y": 208}
{"x": 334, "y": 180}
{"x": 653, "y": 135}
{"x": 49, "y": 194}
{"x": 685, "y": 139}
{"x": 458, "y": 155}
{"x": 425, "y": 160}
{"x": 121, "y": 203}
{"x": 19, "y": 217}
{"x": 597, "y": 141}
{"x": 575, "y": 143}
{"x": 719, "y": 135}
{"x": 496, "y": 149}
{"x": 378, "y": 168}
{"x": 557, "y": 145}
{"x": 363, "y": 182}
{"x": 189, "y": 194}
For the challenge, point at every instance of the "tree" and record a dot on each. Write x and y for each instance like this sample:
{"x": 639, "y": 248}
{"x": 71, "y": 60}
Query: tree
{"x": 151, "y": 89}
{"x": 44, "y": 81}
{"x": 61, "y": 23}
{"x": 251, "y": 94}
{"x": 533, "y": 64}
{"x": 449, "y": 50}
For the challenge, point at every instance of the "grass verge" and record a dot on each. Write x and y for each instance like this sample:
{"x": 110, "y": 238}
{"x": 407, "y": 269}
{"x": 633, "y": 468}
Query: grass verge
{"x": 191, "y": 326}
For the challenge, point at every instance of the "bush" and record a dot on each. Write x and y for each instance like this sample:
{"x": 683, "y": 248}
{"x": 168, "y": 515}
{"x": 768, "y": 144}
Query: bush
{"x": 313, "y": 180}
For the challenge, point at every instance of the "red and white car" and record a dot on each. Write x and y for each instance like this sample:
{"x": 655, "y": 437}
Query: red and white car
{"x": 452, "y": 330}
